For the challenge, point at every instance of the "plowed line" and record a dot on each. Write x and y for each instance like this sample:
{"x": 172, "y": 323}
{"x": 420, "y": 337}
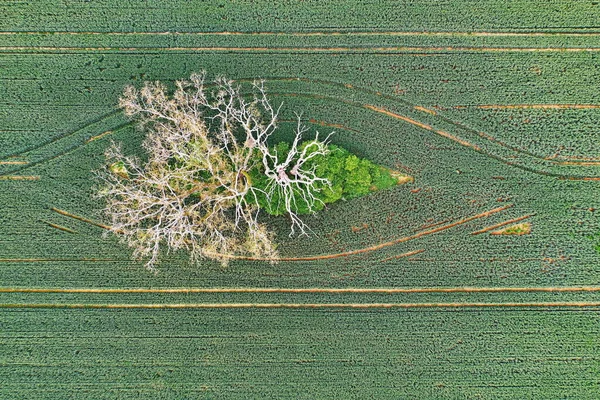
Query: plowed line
{"x": 13, "y": 162}
{"x": 501, "y": 224}
{"x": 300, "y": 305}
{"x": 572, "y": 289}
{"x": 358, "y": 49}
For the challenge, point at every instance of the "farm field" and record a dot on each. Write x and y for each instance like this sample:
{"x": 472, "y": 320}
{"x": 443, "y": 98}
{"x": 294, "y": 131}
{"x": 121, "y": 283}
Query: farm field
{"x": 415, "y": 292}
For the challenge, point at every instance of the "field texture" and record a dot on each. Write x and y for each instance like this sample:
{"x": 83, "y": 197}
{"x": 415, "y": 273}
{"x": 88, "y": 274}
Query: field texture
{"x": 479, "y": 280}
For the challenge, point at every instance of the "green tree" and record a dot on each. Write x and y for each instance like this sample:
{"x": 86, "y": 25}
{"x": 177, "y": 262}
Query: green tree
{"x": 346, "y": 176}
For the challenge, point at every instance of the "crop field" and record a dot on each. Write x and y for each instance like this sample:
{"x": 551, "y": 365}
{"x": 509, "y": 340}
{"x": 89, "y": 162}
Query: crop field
{"x": 479, "y": 280}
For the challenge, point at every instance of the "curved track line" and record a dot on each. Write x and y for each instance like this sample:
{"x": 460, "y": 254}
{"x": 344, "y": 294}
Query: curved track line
{"x": 527, "y": 152}
{"x": 300, "y": 50}
{"x": 471, "y": 145}
{"x": 69, "y": 150}
{"x": 112, "y": 131}
{"x": 413, "y": 106}
{"x": 334, "y": 255}
{"x": 573, "y": 161}
{"x": 445, "y": 134}
{"x": 378, "y": 109}
{"x": 59, "y": 137}
{"x": 311, "y": 33}
{"x": 77, "y": 217}
{"x": 370, "y": 107}
{"x": 424, "y": 126}
{"x": 501, "y": 224}
{"x": 478, "y": 149}
{"x": 551, "y": 289}
{"x": 301, "y": 305}
{"x": 380, "y": 245}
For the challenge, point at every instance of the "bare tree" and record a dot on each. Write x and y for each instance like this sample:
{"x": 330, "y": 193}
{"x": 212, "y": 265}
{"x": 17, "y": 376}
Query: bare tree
{"x": 194, "y": 191}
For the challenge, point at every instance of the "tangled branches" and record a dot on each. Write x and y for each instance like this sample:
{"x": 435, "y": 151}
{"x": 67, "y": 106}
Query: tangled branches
{"x": 194, "y": 192}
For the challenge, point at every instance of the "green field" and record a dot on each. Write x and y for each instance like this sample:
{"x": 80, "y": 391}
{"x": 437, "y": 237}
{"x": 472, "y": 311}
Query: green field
{"x": 493, "y": 108}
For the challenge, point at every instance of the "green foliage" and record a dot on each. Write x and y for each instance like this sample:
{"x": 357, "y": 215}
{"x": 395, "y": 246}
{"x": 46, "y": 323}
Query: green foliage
{"x": 349, "y": 177}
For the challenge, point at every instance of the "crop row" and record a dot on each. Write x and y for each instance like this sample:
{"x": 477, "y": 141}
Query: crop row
{"x": 326, "y": 41}
{"x": 183, "y": 16}
{"x": 283, "y": 353}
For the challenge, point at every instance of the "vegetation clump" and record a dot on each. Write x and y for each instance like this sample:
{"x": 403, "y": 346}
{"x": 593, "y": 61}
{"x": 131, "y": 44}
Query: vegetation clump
{"x": 210, "y": 169}
{"x": 346, "y": 176}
